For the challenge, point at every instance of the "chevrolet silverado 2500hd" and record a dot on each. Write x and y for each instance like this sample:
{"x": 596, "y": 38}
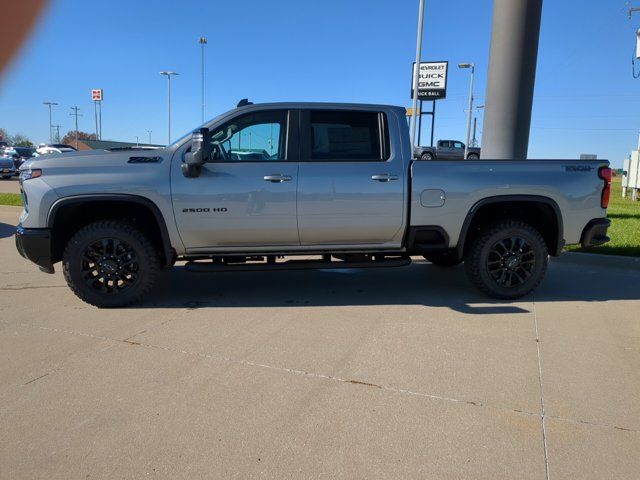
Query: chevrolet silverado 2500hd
{"x": 261, "y": 185}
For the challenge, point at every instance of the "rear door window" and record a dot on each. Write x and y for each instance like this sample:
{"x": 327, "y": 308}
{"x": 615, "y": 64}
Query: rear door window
{"x": 342, "y": 135}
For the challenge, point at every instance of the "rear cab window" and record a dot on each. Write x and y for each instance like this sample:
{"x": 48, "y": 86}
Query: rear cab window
{"x": 346, "y": 135}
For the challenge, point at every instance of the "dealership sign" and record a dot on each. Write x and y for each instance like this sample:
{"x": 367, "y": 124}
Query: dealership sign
{"x": 96, "y": 94}
{"x": 432, "y": 80}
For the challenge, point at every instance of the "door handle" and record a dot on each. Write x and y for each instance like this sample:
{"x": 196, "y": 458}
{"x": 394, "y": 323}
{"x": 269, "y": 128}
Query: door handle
{"x": 384, "y": 177}
{"x": 277, "y": 178}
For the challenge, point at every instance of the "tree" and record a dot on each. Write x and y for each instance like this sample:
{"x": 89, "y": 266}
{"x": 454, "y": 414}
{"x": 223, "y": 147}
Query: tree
{"x": 70, "y": 137}
{"x": 19, "y": 140}
{"x": 3, "y": 135}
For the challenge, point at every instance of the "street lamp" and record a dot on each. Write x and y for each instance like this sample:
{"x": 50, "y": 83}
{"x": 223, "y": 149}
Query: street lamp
{"x": 202, "y": 41}
{"x": 168, "y": 74}
{"x": 149, "y": 132}
{"x": 470, "y": 112}
{"x": 51, "y": 104}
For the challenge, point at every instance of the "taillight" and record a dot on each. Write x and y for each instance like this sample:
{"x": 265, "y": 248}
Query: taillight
{"x": 605, "y": 174}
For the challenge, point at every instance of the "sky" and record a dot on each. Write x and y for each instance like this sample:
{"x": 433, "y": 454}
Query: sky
{"x": 586, "y": 99}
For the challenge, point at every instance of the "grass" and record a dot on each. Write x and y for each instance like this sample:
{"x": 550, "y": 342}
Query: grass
{"x": 625, "y": 225}
{"x": 12, "y": 199}
{"x": 624, "y": 230}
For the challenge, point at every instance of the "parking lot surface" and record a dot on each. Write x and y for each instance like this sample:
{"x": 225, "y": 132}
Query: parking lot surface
{"x": 10, "y": 185}
{"x": 390, "y": 373}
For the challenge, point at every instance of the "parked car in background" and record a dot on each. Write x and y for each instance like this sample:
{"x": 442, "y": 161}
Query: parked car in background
{"x": 446, "y": 150}
{"x": 7, "y": 167}
{"x": 45, "y": 149}
{"x": 20, "y": 154}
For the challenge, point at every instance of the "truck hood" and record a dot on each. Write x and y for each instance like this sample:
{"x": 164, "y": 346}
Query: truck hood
{"x": 70, "y": 162}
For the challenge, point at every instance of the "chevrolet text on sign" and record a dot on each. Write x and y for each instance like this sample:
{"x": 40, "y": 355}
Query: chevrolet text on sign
{"x": 432, "y": 82}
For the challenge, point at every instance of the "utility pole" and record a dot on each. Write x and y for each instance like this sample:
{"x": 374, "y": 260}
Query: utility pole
{"x": 57, "y": 137}
{"x": 168, "y": 74}
{"x": 137, "y": 141}
{"x": 50, "y": 104}
{"x": 149, "y": 132}
{"x": 416, "y": 75}
{"x": 470, "y": 112}
{"x": 76, "y": 114}
{"x": 203, "y": 42}
{"x": 512, "y": 71}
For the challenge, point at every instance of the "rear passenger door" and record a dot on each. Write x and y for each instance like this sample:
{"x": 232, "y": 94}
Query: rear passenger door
{"x": 351, "y": 179}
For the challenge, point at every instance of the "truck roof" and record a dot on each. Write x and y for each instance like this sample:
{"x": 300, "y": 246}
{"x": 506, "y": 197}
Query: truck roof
{"x": 338, "y": 105}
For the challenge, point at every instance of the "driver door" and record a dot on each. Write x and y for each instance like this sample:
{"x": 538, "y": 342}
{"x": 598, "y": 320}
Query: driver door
{"x": 246, "y": 193}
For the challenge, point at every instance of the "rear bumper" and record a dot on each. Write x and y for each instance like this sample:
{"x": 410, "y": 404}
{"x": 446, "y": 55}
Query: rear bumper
{"x": 595, "y": 233}
{"x": 35, "y": 244}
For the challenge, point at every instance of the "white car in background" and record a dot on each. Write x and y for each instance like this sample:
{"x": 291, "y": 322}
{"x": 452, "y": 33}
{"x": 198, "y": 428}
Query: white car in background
{"x": 44, "y": 149}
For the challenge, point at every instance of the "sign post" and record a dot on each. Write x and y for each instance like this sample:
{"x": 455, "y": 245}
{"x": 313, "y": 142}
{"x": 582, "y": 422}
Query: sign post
{"x": 97, "y": 95}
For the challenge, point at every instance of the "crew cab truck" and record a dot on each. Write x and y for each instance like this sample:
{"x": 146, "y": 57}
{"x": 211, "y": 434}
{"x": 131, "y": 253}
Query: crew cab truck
{"x": 447, "y": 150}
{"x": 262, "y": 185}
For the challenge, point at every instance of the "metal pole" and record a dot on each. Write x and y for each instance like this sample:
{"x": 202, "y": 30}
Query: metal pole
{"x": 149, "y": 132}
{"x": 433, "y": 121}
{"x": 420, "y": 124}
{"x": 416, "y": 74}
{"x": 137, "y": 141}
{"x": 203, "y": 42}
{"x": 95, "y": 114}
{"x": 168, "y": 74}
{"x": 475, "y": 129}
{"x": 50, "y": 104}
{"x": 469, "y": 113}
{"x": 76, "y": 114}
{"x": 100, "y": 116}
{"x": 511, "y": 81}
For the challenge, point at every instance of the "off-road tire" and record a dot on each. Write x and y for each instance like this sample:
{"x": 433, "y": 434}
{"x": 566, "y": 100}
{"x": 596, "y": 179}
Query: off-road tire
{"x": 147, "y": 264}
{"x": 443, "y": 259}
{"x": 477, "y": 260}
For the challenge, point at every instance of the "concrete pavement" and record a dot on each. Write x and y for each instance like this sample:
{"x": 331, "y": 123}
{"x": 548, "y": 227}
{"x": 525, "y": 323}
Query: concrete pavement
{"x": 9, "y": 185}
{"x": 391, "y": 373}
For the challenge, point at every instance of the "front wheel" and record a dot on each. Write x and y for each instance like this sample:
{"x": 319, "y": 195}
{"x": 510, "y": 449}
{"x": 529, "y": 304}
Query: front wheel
{"x": 426, "y": 156}
{"x": 110, "y": 263}
{"x": 508, "y": 260}
{"x": 473, "y": 156}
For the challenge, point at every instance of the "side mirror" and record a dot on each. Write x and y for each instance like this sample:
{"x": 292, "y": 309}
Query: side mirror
{"x": 199, "y": 154}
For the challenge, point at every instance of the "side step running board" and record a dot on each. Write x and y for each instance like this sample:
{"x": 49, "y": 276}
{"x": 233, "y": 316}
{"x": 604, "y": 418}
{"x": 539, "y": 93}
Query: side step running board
{"x": 205, "y": 267}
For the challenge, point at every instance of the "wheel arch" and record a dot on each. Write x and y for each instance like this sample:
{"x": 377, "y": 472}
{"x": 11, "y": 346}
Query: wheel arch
{"x": 536, "y": 210}
{"x": 69, "y": 214}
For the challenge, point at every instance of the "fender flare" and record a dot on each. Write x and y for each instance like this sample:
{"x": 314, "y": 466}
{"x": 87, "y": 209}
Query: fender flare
{"x": 167, "y": 249}
{"x": 512, "y": 199}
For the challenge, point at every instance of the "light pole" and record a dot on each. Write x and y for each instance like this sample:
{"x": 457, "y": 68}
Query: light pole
{"x": 51, "y": 104}
{"x": 416, "y": 75}
{"x": 137, "y": 141}
{"x": 202, "y": 41}
{"x": 470, "y": 112}
{"x": 149, "y": 132}
{"x": 168, "y": 74}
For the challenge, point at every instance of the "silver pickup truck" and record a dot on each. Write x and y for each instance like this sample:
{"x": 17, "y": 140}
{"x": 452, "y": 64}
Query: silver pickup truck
{"x": 262, "y": 185}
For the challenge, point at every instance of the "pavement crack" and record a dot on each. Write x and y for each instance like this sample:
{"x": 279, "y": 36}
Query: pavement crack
{"x": 37, "y": 378}
{"x": 357, "y": 382}
{"x": 542, "y": 410}
{"x": 13, "y": 288}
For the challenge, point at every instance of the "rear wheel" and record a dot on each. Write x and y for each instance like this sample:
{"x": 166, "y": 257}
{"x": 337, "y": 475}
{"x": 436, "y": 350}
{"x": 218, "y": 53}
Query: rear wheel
{"x": 110, "y": 263}
{"x": 426, "y": 156}
{"x": 508, "y": 260}
{"x": 473, "y": 156}
{"x": 443, "y": 259}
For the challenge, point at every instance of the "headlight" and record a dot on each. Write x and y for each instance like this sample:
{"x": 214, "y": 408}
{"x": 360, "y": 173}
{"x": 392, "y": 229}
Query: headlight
{"x": 29, "y": 173}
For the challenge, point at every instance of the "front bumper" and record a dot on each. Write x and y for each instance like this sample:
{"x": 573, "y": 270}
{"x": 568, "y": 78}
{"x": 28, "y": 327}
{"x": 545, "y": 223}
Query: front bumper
{"x": 5, "y": 171}
{"x": 595, "y": 233}
{"x": 35, "y": 244}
